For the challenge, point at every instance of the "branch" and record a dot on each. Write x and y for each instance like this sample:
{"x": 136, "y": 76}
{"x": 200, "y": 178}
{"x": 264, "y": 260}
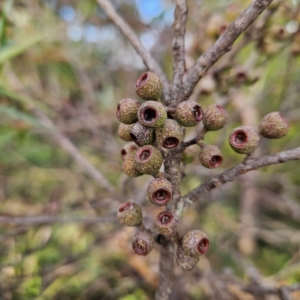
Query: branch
{"x": 232, "y": 173}
{"x": 178, "y": 47}
{"x": 148, "y": 60}
{"x": 70, "y": 148}
{"x": 222, "y": 45}
{"x": 39, "y": 220}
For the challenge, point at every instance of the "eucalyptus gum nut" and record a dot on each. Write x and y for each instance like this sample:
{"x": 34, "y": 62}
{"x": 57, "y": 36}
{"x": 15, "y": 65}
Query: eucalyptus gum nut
{"x": 152, "y": 114}
{"x": 170, "y": 135}
{"x": 148, "y": 160}
{"x": 210, "y": 156}
{"x": 195, "y": 243}
{"x": 149, "y": 86}
{"x": 127, "y": 111}
{"x": 142, "y": 135}
{"x": 244, "y": 139}
{"x": 188, "y": 113}
{"x": 160, "y": 191}
{"x": 124, "y": 132}
{"x": 130, "y": 214}
{"x": 143, "y": 243}
{"x": 127, "y": 149}
{"x": 129, "y": 165}
{"x": 185, "y": 261}
{"x": 167, "y": 224}
{"x": 214, "y": 117}
{"x": 273, "y": 126}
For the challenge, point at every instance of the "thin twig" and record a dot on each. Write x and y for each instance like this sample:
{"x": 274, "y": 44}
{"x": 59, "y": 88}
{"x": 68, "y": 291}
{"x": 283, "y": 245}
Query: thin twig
{"x": 222, "y": 45}
{"x": 39, "y": 220}
{"x": 70, "y": 148}
{"x": 123, "y": 26}
{"x": 178, "y": 48}
{"x": 230, "y": 174}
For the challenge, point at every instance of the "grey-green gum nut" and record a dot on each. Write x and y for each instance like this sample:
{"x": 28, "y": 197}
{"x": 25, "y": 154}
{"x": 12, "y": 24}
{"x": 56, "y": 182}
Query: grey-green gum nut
{"x": 195, "y": 243}
{"x": 129, "y": 165}
{"x": 188, "y": 113}
{"x": 214, "y": 117}
{"x": 149, "y": 86}
{"x": 273, "y": 126}
{"x": 142, "y": 135}
{"x": 244, "y": 139}
{"x": 130, "y": 214}
{"x": 143, "y": 243}
{"x": 185, "y": 261}
{"x": 152, "y": 114}
{"x": 148, "y": 160}
{"x": 127, "y": 111}
{"x": 124, "y": 132}
{"x": 210, "y": 156}
{"x": 170, "y": 135}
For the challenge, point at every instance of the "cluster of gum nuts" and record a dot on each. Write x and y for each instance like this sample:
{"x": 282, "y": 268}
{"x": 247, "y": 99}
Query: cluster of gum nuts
{"x": 152, "y": 126}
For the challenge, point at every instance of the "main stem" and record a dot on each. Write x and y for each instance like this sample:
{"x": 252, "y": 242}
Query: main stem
{"x": 167, "y": 251}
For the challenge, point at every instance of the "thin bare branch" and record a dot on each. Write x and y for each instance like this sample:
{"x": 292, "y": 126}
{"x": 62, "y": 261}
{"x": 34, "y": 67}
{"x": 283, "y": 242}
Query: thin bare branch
{"x": 123, "y": 26}
{"x": 230, "y": 174}
{"x": 40, "y": 220}
{"x": 222, "y": 45}
{"x": 70, "y": 148}
{"x": 178, "y": 47}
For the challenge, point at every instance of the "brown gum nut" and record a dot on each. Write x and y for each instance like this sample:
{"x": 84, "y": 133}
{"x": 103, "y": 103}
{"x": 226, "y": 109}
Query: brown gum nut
{"x": 142, "y": 135}
{"x": 170, "y": 135}
{"x": 148, "y": 160}
{"x": 149, "y": 86}
{"x": 244, "y": 139}
{"x": 210, "y": 156}
{"x": 127, "y": 111}
{"x": 152, "y": 114}
{"x": 130, "y": 214}
{"x": 215, "y": 117}
{"x": 167, "y": 224}
{"x": 142, "y": 243}
{"x": 129, "y": 165}
{"x": 188, "y": 113}
{"x": 124, "y": 132}
{"x": 160, "y": 191}
{"x": 273, "y": 126}
{"x": 195, "y": 243}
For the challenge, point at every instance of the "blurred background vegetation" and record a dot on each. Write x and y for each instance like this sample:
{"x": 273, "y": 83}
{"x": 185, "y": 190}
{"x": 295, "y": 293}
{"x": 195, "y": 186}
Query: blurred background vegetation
{"x": 63, "y": 59}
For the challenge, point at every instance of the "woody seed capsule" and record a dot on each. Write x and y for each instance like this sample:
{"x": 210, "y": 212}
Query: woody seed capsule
{"x": 214, "y": 118}
{"x": 148, "y": 160}
{"x": 195, "y": 243}
{"x": 152, "y": 114}
{"x": 210, "y": 156}
{"x": 127, "y": 149}
{"x": 129, "y": 165}
{"x": 273, "y": 126}
{"x": 142, "y": 243}
{"x": 167, "y": 224}
{"x": 188, "y": 113}
{"x": 244, "y": 139}
{"x": 142, "y": 135}
{"x": 170, "y": 135}
{"x": 127, "y": 111}
{"x": 159, "y": 191}
{"x": 149, "y": 86}
{"x": 124, "y": 132}
{"x": 130, "y": 214}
